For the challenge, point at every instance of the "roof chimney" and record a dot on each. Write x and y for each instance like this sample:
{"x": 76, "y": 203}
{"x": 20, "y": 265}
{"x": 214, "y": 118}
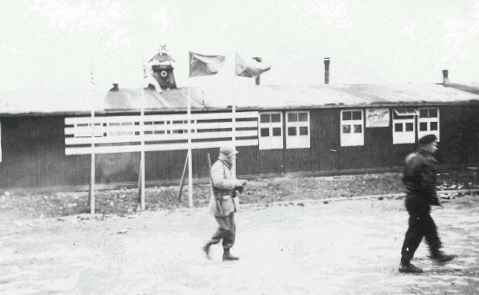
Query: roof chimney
{"x": 115, "y": 87}
{"x": 326, "y": 70}
{"x": 445, "y": 78}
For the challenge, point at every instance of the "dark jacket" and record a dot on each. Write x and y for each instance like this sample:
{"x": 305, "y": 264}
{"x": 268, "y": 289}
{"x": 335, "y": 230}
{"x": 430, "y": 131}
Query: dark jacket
{"x": 420, "y": 176}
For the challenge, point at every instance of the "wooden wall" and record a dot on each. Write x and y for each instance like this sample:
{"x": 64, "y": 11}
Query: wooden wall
{"x": 33, "y": 152}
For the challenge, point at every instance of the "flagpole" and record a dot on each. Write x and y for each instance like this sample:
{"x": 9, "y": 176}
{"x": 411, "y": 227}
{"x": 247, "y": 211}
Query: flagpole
{"x": 234, "y": 133}
{"x": 190, "y": 158}
{"x": 142, "y": 151}
{"x": 92, "y": 160}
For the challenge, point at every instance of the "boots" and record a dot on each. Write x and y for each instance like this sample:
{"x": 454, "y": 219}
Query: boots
{"x": 206, "y": 249}
{"x": 409, "y": 268}
{"x": 228, "y": 257}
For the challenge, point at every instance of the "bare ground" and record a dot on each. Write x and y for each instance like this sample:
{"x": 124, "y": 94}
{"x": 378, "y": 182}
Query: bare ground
{"x": 259, "y": 191}
{"x": 349, "y": 247}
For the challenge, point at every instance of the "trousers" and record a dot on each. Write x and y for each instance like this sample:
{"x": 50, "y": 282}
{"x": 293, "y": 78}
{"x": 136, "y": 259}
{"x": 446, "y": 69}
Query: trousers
{"x": 421, "y": 225}
{"x": 226, "y": 231}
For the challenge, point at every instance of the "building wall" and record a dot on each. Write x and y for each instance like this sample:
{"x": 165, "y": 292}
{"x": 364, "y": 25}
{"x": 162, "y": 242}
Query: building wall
{"x": 33, "y": 152}
{"x": 325, "y": 147}
{"x": 460, "y": 135}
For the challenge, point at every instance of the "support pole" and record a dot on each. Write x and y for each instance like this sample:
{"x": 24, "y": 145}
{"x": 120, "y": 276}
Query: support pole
{"x": 190, "y": 160}
{"x": 92, "y": 165}
{"x": 234, "y": 135}
{"x": 183, "y": 177}
{"x": 142, "y": 165}
{"x": 142, "y": 151}
{"x": 92, "y": 161}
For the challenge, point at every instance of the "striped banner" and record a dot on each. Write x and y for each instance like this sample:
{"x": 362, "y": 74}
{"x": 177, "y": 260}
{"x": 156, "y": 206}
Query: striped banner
{"x": 121, "y": 134}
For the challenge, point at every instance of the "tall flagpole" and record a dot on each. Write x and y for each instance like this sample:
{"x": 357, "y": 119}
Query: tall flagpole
{"x": 190, "y": 158}
{"x": 234, "y": 133}
{"x": 142, "y": 134}
{"x": 233, "y": 110}
{"x": 92, "y": 162}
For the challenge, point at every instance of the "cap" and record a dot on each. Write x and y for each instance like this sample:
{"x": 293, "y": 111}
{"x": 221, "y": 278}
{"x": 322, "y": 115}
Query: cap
{"x": 427, "y": 139}
{"x": 228, "y": 151}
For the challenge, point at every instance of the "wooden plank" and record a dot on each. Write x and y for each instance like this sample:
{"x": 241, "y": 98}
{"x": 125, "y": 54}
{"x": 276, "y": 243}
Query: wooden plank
{"x": 101, "y": 120}
{"x": 158, "y": 137}
{"x": 202, "y": 116}
{"x": 156, "y": 147}
{"x": 217, "y": 125}
{"x": 149, "y": 127}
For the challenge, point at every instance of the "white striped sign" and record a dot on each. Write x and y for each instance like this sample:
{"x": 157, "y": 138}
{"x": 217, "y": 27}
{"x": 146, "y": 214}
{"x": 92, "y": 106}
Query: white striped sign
{"x": 121, "y": 134}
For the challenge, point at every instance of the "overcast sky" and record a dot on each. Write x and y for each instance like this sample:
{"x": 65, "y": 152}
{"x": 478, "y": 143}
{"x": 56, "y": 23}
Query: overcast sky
{"x": 49, "y": 44}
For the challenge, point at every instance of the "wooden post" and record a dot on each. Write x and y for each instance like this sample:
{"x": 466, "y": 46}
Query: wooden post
{"x": 190, "y": 164}
{"x": 92, "y": 166}
{"x": 183, "y": 176}
{"x": 234, "y": 135}
{"x": 142, "y": 171}
{"x": 142, "y": 152}
{"x": 92, "y": 162}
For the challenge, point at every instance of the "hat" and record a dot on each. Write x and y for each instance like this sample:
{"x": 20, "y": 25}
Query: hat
{"x": 427, "y": 139}
{"x": 228, "y": 151}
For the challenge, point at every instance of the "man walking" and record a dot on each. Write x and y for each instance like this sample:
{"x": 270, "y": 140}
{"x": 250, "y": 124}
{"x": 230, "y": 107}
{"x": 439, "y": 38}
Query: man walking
{"x": 419, "y": 178}
{"x": 221, "y": 204}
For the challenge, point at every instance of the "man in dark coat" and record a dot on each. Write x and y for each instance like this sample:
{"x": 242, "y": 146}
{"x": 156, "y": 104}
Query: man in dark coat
{"x": 419, "y": 178}
{"x": 222, "y": 205}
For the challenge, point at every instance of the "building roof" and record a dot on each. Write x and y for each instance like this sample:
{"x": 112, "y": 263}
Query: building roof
{"x": 469, "y": 87}
{"x": 245, "y": 97}
{"x": 50, "y": 101}
{"x": 265, "y": 97}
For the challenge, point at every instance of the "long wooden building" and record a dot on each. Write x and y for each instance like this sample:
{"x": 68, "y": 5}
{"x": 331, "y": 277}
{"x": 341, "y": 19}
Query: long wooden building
{"x": 46, "y": 135}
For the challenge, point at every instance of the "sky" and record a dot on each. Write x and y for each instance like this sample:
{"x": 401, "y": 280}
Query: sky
{"x": 55, "y": 43}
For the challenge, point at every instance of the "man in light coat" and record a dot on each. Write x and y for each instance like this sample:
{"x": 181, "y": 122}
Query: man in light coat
{"x": 222, "y": 205}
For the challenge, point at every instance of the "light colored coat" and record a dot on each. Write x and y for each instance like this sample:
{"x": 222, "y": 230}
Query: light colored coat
{"x": 224, "y": 185}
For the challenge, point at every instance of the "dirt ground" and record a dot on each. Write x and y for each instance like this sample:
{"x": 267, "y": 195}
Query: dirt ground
{"x": 22, "y": 206}
{"x": 49, "y": 245}
{"x": 342, "y": 247}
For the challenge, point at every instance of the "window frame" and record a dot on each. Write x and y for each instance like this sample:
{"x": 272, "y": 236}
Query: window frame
{"x": 351, "y": 138}
{"x": 297, "y": 141}
{"x": 428, "y": 120}
{"x": 401, "y": 116}
{"x": 270, "y": 142}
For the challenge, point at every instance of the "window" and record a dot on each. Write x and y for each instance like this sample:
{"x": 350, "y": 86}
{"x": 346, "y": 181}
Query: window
{"x": 270, "y": 131}
{"x": 428, "y": 122}
{"x": 404, "y": 126}
{"x": 352, "y": 128}
{"x": 297, "y": 126}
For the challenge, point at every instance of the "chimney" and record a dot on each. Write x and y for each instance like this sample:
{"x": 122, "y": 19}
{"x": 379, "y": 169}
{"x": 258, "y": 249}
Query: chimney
{"x": 326, "y": 70}
{"x": 257, "y": 80}
{"x": 115, "y": 87}
{"x": 445, "y": 78}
